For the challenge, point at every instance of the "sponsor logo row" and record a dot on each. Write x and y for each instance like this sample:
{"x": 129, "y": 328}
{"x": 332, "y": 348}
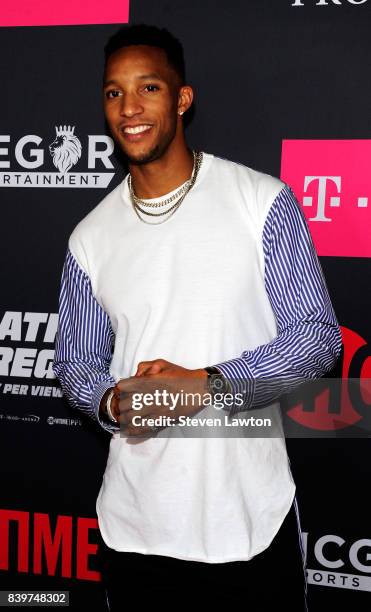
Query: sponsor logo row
{"x": 330, "y": 178}
{"x": 27, "y": 352}
{"x": 35, "y": 418}
{"x": 336, "y": 561}
{"x": 43, "y": 13}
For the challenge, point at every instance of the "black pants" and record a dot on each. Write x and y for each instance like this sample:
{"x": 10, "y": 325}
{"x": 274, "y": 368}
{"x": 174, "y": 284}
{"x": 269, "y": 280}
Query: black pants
{"x": 272, "y": 580}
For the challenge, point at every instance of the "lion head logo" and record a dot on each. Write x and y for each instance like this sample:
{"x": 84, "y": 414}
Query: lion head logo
{"x": 65, "y": 149}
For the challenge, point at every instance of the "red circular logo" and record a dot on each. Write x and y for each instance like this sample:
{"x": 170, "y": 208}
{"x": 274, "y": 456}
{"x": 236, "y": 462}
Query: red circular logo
{"x": 333, "y": 406}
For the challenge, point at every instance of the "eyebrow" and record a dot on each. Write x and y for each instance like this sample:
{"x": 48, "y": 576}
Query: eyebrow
{"x": 151, "y": 75}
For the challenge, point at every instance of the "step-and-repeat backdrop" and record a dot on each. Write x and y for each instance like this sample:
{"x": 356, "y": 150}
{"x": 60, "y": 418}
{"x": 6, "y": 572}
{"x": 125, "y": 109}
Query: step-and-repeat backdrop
{"x": 282, "y": 86}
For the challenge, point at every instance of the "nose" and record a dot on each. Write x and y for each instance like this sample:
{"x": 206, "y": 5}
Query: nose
{"x": 130, "y": 105}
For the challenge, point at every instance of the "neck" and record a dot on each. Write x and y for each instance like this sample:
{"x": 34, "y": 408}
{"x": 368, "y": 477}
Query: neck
{"x": 163, "y": 175}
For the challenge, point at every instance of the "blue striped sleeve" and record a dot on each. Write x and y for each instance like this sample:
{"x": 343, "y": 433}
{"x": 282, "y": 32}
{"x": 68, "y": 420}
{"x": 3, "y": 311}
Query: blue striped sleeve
{"x": 308, "y": 340}
{"x": 84, "y": 341}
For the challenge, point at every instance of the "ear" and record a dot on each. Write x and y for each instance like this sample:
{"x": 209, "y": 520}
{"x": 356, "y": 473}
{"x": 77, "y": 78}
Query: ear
{"x": 185, "y": 99}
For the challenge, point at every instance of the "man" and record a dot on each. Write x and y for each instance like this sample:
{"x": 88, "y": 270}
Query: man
{"x": 192, "y": 262}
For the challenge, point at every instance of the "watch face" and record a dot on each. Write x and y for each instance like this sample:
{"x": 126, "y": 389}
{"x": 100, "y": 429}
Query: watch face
{"x": 217, "y": 383}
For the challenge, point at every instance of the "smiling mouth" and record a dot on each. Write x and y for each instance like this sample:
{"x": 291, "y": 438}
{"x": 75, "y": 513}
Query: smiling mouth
{"x": 137, "y": 129}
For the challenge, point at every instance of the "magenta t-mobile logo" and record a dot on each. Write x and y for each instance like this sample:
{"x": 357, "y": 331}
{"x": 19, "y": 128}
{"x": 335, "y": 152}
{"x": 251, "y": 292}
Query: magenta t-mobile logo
{"x": 332, "y": 181}
{"x": 68, "y": 12}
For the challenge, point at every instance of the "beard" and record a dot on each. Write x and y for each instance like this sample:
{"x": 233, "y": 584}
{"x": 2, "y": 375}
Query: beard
{"x": 157, "y": 151}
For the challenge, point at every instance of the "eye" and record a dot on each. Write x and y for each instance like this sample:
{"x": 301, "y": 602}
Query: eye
{"x": 151, "y": 88}
{"x": 112, "y": 93}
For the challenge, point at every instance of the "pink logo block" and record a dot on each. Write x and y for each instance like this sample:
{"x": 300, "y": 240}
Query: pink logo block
{"x": 332, "y": 181}
{"x": 68, "y": 12}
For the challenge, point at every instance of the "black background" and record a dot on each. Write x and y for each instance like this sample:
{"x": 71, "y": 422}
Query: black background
{"x": 263, "y": 71}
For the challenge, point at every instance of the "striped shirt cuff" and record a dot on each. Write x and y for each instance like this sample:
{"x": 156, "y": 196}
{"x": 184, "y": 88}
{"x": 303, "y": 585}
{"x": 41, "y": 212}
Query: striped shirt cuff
{"x": 97, "y": 395}
{"x": 241, "y": 383}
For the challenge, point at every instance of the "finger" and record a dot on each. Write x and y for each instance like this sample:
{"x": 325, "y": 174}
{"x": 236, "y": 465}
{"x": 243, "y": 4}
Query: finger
{"x": 150, "y": 367}
{"x": 146, "y": 371}
{"x": 143, "y": 368}
{"x": 125, "y": 419}
{"x": 127, "y": 385}
{"x": 139, "y": 426}
{"x": 125, "y": 404}
{"x": 156, "y": 368}
{"x": 128, "y": 414}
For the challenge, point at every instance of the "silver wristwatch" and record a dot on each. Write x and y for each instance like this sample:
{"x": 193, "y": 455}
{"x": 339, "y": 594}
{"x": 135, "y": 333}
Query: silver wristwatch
{"x": 216, "y": 381}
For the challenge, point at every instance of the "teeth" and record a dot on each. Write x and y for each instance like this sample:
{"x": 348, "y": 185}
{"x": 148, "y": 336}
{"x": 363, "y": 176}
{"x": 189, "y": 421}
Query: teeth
{"x": 137, "y": 129}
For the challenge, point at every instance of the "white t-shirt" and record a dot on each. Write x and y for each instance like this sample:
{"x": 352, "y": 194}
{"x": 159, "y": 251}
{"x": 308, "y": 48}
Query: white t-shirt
{"x": 191, "y": 291}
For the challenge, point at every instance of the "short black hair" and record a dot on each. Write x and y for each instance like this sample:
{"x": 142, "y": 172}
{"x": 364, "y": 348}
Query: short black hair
{"x": 142, "y": 34}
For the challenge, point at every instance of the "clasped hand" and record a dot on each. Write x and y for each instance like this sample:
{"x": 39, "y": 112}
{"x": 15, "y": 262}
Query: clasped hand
{"x": 158, "y": 389}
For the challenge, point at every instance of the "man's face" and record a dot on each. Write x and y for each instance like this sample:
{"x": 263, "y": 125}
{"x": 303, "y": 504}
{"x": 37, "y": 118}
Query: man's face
{"x": 141, "y": 102}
